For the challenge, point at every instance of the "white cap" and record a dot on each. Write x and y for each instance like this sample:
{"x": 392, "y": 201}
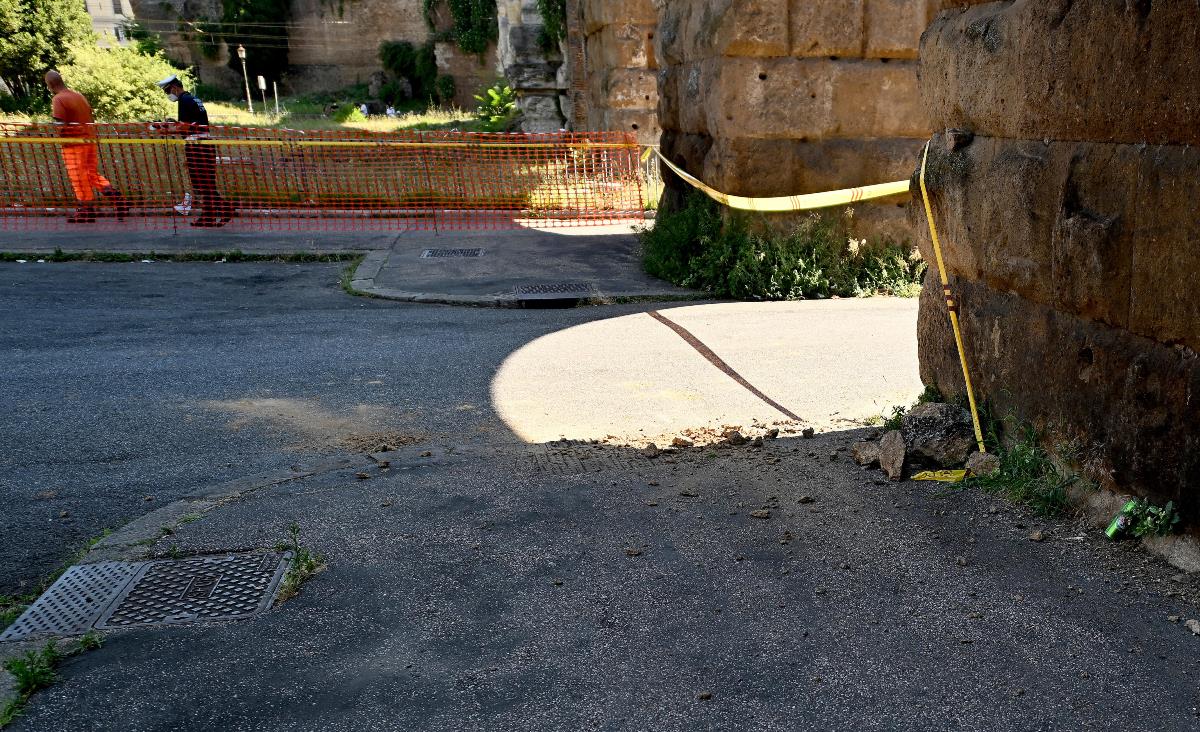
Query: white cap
{"x": 172, "y": 79}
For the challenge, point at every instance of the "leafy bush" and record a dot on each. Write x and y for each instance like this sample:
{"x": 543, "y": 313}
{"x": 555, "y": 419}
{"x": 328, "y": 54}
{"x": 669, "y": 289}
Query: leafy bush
{"x": 417, "y": 64}
{"x": 349, "y": 113}
{"x": 1146, "y": 519}
{"x": 36, "y": 35}
{"x": 497, "y": 107}
{"x": 698, "y": 247}
{"x": 120, "y": 82}
{"x": 554, "y": 23}
{"x": 445, "y": 89}
{"x": 474, "y": 23}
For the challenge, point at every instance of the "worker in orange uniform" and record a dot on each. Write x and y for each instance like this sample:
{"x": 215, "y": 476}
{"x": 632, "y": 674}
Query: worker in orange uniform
{"x": 73, "y": 115}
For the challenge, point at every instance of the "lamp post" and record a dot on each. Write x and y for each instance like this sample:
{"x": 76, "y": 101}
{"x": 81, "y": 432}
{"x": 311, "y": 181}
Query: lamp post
{"x": 241, "y": 52}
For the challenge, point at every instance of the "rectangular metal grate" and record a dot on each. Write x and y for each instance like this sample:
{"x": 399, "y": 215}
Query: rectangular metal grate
{"x": 203, "y": 588}
{"x": 74, "y": 602}
{"x": 438, "y": 253}
{"x": 163, "y": 592}
{"x": 561, "y": 288}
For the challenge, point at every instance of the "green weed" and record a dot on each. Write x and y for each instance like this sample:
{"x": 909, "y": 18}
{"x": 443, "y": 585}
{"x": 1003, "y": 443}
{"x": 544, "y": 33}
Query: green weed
{"x": 35, "y": 669}
{"x": 735, "y": 256}
{"x": 1147, "y": 519}
{"x": 11, "y": 608}
{"x": 896, "y": 421}
{"x": 1027, "y": 476}
{"x": 305, "y": 564}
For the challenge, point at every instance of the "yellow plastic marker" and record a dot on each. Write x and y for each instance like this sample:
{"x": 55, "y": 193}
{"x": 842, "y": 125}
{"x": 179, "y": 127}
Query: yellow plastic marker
{"x": 951, "y": 305}
{"x": 942, "y": 476}
{"x": 784, "y": 204}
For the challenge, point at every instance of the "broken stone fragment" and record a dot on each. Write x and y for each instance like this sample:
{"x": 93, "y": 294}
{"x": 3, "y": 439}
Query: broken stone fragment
{"x": 941, "y": 433}
{"x": 892, "y": 453}
{"x": 651, "y": 451}
{"x": 808, "y": 433}
{"x": 735, "y": 438}
{"x": 866, "y": 453}
{"x": 761, "y": 513}
{"x": 681, "y": 442}
{"x": 772, "y": 433}
{"x": 983, "y": 463}
{"x": 1194, "y": 626}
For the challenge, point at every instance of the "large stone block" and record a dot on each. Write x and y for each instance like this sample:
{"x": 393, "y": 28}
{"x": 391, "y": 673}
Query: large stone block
{"x": 872, "y": 99}
{"x": 1104, "y": 232}
{"x": 893, "y": 27}
{"x": 1102, "y": 71}
{"x": 1121, "y": 404}
{"x": 629, "y": 89}
{"x": 826, "y": 28}
{"x": 625, "y": 46}
{"x": 600, "y": 13}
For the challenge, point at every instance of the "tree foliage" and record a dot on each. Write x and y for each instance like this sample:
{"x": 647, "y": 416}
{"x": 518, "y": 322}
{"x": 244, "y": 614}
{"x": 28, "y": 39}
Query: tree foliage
{"x": 474, "y": 26}
{"x": 120, "y": 82}
{"x": 35, "y": 36}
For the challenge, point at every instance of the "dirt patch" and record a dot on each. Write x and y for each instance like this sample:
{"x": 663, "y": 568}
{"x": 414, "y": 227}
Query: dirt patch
{"x": 309, "y": 426}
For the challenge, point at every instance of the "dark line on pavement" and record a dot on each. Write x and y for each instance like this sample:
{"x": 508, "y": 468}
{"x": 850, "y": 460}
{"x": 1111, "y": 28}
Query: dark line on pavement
{"x": 716, "y": 360}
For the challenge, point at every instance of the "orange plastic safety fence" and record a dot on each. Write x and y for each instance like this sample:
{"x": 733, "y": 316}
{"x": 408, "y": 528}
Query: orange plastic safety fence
{"x": 157, "y": 176}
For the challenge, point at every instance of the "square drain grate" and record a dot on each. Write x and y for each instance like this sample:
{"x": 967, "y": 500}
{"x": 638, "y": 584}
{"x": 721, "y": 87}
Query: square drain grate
{"x": 203, "y": 588}
{"x": 162, "y": 592}
{"x": 438, "y": 253}
{"x": 74, "y": 602}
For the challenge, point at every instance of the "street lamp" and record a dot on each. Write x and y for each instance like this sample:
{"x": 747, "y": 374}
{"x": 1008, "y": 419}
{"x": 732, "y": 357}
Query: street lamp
{"x": 241, "y": 52}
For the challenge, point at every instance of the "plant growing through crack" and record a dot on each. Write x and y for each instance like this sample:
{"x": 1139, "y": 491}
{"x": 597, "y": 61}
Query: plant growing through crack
{"x": 305, "y": 564}
{"x": 38, "y": 669}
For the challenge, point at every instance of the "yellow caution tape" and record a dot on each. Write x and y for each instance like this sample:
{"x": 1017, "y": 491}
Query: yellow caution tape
{"x": 951, "y": 305}
{"x": 304, "y": 143}
{"x": 782, "y": 204}
{"x": 942, "y": 476}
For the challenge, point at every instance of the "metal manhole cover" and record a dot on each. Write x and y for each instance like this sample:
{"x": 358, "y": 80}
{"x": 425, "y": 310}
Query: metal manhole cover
{"x": 203, "y": 588}
{"x": 127, "y": 594}
{"x": 437, "y": 253}
{"x": 562, "y": 288}
{"x": 74, "y": 602}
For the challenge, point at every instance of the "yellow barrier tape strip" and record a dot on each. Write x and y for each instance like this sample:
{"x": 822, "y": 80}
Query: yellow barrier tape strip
{"x": 782, "y": 204}
{"x": 942, "y": 476}
{"x": 304, "y": 143}
{"x": 951, "y": 305}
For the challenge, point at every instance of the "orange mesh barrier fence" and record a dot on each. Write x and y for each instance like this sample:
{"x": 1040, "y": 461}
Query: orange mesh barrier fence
{"x": 154, "y": 176}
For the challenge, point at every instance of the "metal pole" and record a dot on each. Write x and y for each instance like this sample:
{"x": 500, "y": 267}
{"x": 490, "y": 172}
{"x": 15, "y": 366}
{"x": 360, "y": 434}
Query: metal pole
{"x": 241, "y": 52}
{"x": 275, "y": 88}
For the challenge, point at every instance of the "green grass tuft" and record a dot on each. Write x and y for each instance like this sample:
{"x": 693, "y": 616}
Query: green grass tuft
{"x": 1028, "y": 477}
{"x": 305, "y": 564}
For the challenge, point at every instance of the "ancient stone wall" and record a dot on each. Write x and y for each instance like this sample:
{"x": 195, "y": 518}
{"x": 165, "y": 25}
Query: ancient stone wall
{"x": 538, "y": 74}
{"x": 619, "y": 67}
{"x": 1070, "y": 228}
{"x": 778, "y": 97}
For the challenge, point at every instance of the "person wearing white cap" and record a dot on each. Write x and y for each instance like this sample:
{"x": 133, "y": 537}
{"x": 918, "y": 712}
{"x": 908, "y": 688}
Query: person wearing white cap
{"x": 201, "y": 158}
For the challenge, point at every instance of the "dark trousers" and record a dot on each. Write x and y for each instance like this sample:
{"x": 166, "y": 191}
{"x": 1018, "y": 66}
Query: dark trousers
{"x": 202, "y": 172}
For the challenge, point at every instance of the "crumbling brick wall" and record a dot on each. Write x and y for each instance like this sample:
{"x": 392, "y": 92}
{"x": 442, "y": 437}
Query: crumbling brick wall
{"x": 779, "y": 97}
{"x": 1070, "y": 227}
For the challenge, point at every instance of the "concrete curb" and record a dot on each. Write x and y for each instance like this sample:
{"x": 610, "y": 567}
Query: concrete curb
{"x": 362, "y": 283}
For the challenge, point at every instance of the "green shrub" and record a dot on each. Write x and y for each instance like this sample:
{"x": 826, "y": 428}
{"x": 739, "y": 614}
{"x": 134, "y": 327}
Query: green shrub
{"x": 554, "y": 23}
{"x": 120, "y": 82}
{"x": 1150, "y": 520}
{"x": 445, "y": 89}
{"x": 1027, "y": 476}
{"x": 37, "y": 35}
{"x": 732, "y": 256}
{"x": 497, "y": 107}
{"x": 473, "y": 26}
{"x": 417, "y": 64}
{"x": 349, "y": 113}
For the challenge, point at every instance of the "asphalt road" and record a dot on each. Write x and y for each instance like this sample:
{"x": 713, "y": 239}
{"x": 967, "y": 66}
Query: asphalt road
{"x": 492, "y": 584}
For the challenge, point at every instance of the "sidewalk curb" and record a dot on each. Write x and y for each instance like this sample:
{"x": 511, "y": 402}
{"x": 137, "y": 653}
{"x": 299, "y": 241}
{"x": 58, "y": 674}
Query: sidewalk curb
{"x": 362, "y": 283}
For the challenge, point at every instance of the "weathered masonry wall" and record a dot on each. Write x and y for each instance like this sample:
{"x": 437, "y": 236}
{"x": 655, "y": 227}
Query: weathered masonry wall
{"x": 777, "y": 97}
{"x": 618, "y": 71}
{"x": 1071, "y": 229}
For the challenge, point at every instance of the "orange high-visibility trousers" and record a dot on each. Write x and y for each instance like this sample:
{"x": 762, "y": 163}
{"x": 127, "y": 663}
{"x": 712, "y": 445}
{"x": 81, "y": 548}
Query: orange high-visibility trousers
{"x": 82, "y": 160}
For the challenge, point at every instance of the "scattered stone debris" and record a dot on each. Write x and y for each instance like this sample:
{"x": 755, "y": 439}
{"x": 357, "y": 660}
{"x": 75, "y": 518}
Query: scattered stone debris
{"x": 427, "y": 453}
{"x": 1194, "y": 626}
{"x": 1173, "y": 618}
{"x": 652, "y": 482}
{"x": 892, "y": 453}
{"x": 939, "y": 432}
{"x": 689, "y": 493}
{"x": 704, "y": 695}
{"x": 385, "y": 464}
{"x": 805, "y": 499}
{"x": 1038, "y": 535}
{"x": 756, "y": 442}
{"x": 866, "y": 453}
{"x": 363, "y": 476}
{"x": 681, "y": 442}
{"x": 983, "y": 463}
{"x": 632, "y": 552}
{"x": 960, "y": 561}
{"x": 651, "y": 451}
{"x": 761, "y": 513}
{"x": 808, "y": 433}
{"x": 833, "y": 455}
{"x": 772, "y": 433}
